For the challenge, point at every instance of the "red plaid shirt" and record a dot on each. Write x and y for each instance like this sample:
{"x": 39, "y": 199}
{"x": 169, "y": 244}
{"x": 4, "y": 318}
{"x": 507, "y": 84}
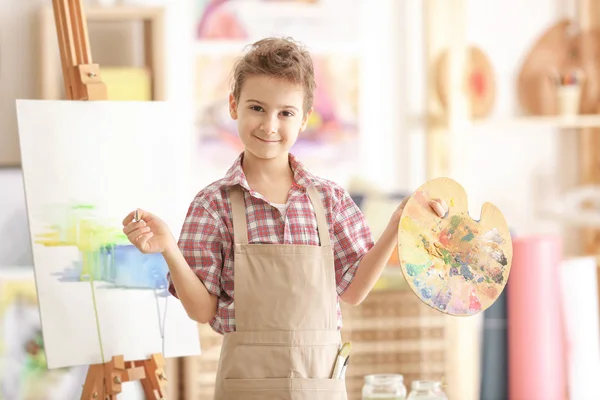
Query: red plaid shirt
{"x": 206, "y": 239}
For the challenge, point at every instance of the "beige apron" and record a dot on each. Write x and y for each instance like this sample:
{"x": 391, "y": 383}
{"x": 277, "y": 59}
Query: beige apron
{"x": 286, "y": 340}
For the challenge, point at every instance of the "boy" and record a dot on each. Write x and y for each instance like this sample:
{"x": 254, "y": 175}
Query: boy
{"x": 287, "y": 243}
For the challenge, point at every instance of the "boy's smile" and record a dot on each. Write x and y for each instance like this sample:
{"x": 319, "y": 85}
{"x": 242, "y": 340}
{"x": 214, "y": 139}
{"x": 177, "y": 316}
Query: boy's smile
{"x": 268, "y": 140}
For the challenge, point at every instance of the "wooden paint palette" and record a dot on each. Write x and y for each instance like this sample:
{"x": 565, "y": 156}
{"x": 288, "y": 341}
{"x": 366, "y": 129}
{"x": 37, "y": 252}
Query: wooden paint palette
{"x": 455, "y": 264}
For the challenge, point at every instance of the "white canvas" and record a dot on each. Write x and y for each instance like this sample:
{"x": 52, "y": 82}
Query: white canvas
{"x": 114, "y": 157}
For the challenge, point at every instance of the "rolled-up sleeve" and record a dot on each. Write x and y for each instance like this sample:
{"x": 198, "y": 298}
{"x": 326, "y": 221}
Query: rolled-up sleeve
{"x": 201, "y": 243}
{"x": 352, "y": 240}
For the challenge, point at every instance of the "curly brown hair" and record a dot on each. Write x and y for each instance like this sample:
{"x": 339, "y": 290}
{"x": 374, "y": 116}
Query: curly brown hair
{"x": 277, "y": 57}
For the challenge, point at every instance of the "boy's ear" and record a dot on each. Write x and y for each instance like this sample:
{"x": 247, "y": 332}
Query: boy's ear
{"x": 305, "y": 119}
{"x": 232, "y": 106}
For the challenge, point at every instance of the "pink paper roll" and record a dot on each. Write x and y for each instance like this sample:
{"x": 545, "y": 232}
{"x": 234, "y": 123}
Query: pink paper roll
{"x": 536, "y": 340}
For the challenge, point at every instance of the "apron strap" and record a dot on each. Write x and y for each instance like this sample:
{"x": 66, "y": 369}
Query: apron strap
{"x": 238, "y": 209}
{"x": 322, "y": 225}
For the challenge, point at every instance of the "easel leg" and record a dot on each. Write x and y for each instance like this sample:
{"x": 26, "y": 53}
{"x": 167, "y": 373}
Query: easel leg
{"x": 94, "y": 383}
{"x": 103, "y": 381}
{"x": 155, "y": 383}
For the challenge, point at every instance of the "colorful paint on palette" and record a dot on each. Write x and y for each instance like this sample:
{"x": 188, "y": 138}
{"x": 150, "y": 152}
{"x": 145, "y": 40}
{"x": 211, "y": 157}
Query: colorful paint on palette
{"x": 105, "y": 252}
{"x": 454, "y": 264}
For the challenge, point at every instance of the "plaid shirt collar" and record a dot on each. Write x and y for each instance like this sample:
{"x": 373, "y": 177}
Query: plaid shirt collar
{"x": 235, "y": 175}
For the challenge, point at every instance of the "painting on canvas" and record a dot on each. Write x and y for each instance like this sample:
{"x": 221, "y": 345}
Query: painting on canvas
{"x": 86, "y": 165}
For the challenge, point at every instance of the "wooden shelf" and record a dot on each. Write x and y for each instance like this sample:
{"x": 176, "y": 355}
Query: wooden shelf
{"x": 116, "y": 13}
{"x": 580, "y": 121}
{"x": 560, "y": 122}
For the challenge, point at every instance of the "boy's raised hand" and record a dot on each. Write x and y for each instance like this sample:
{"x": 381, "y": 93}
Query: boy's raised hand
{"x": 437, "y": 206}
{"x": 150, "y": 234}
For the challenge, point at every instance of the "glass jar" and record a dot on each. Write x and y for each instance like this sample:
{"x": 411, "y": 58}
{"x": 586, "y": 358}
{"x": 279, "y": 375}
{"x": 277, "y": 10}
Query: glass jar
{"x": 384, "y": 387}
{"x": 426, "y": 390}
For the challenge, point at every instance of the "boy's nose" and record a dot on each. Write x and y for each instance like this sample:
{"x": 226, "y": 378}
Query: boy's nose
{"x": 269, "y": 126}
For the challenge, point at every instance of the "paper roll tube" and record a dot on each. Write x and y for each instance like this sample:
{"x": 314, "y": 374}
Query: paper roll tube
{"x": 536, "y": 348}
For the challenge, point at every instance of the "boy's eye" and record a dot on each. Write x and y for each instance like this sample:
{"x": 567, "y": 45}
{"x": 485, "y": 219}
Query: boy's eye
{"x": 256, "y": 108}
{"x": 288, "y": 114}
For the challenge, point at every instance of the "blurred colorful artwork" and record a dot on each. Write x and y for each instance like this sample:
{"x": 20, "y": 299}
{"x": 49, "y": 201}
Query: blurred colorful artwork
{"x": 332, "y": 132}
{"x": 454, "y": 264}
{"x": 23, "y": 371}
{"x": 86, "y": 165}
{"x": 105, "y": 252}
{"x": 249, "y": 20}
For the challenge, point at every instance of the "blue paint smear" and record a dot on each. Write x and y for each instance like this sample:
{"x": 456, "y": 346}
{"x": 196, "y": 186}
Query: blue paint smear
{"x": 426, "y": 293}
{"x": 465, "y": 271}
{"x": 442, "y": 299}
{"x": 468, "y": 237}
{"x": 134, "y": 269}
{"x": 123, "y": 266}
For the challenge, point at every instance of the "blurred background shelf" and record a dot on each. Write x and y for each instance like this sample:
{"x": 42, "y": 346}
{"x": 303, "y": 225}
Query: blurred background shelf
{"x": 108, "y": 29}
{"x": 551, "y": 121}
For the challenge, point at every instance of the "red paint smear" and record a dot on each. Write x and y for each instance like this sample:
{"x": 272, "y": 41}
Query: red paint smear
{"x": 445, "y": 237}
{"x": 474, "y": 303}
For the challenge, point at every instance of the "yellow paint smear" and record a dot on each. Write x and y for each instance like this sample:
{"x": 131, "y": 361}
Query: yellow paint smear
{"x": 414, "y": 254}
{"x": 409, "y": 226}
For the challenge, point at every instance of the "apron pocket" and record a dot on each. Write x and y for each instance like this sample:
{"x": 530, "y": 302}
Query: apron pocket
{"x": 285, "y": 389}
{"x": 314, "y": 362}
{"x": 255, "y": 362}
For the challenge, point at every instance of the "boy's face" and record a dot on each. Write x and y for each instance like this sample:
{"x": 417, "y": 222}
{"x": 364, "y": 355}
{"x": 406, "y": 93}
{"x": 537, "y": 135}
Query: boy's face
{"x": 269, "y": 115}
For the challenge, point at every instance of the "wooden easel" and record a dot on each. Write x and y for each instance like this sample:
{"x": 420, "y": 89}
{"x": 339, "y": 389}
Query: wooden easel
{"x": 83, "y": 82}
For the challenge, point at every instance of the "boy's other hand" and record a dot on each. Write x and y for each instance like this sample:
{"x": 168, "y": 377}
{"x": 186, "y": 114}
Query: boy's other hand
{"x": 439, "y": 207}
{"x": 150, "y": 234}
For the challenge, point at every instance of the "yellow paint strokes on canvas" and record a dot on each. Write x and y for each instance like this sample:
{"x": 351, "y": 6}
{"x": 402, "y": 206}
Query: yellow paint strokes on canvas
{"x": 81, "y": 228}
